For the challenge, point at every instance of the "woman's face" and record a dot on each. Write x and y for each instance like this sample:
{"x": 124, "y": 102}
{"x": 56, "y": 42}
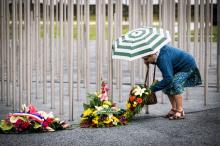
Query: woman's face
{"x": 149, "y": 59}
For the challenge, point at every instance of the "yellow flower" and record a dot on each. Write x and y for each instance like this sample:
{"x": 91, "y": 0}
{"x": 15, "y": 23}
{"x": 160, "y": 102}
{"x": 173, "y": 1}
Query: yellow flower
{"x": 107, "y": 103}
{"x": 87, "y": 112}
{"x": 128, "y": 105}
{"x": 95, "y": 112}
{"x": 84, "y": 118}
{"x": 115, "y": 119}
{"x": 95, "y": 120}
{"x": 135, "y": 104}
{"x": 107, "y": 121}
{"x": 105, "y": 106}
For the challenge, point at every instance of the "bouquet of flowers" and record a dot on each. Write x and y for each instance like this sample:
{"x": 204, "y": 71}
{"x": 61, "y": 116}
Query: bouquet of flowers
{"x": 31, "y": 120}
{"x": 137, "y": 98}
{"x": 100, "y": 112}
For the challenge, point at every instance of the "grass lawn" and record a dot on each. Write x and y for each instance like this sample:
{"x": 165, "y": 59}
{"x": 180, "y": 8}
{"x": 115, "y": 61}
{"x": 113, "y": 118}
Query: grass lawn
{"x": 92, "y": 34}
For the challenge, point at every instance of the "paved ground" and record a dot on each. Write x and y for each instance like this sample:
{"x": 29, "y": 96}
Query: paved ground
{"x": 199, "y": 128}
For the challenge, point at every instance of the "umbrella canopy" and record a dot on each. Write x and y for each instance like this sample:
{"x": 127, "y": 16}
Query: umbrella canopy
{"x": 140, "y": 42}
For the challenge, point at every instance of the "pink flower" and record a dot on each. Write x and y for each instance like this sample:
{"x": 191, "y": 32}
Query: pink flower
{"x": 104, "y": 86}
{"x": 32, "y": 109}
{"x": 104, "y": 96}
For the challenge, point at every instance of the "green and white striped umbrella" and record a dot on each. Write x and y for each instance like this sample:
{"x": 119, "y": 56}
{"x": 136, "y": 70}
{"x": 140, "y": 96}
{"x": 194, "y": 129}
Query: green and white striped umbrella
{"x": 140, "y": 42}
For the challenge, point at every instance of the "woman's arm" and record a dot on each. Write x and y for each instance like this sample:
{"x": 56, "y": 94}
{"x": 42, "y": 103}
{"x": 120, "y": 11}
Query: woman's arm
{"x": 166, "y": 68}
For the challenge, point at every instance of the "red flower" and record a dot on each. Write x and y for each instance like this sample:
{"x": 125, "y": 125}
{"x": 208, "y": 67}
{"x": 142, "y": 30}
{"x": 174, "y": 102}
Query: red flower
{"x": 25, "y": 125}
{"x": 32, "y": 109}
{"x": 139, "y": 100}
{"x": 18, "y": 123}
{"x": 47, "y": 122}
{"x": 132, "y": 98}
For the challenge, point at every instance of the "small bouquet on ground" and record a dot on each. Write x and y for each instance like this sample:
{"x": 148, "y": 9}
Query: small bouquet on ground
{"x": 100, "y": 112}
{"x": 30, "y": 120}
{"x": 137, "y": 98}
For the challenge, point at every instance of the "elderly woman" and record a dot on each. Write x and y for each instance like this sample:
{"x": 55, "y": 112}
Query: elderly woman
{"x": 179, "y": 70}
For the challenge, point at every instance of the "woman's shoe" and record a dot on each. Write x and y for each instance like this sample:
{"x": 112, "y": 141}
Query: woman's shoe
{"x": 170, "y": 114}
{"x": 178, "y": 115}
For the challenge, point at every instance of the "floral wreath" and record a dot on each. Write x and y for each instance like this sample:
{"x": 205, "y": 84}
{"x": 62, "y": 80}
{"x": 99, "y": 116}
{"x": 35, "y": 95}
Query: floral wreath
{"x": 30, "y": 120}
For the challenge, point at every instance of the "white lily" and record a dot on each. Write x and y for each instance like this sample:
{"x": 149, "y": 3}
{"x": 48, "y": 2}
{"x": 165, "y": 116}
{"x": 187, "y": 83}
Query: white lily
{"x": 138, "y": 91}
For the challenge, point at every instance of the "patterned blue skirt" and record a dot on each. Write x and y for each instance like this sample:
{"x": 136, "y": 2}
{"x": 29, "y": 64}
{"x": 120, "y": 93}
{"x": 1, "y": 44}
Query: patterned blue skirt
{"x": 181, "y": 80}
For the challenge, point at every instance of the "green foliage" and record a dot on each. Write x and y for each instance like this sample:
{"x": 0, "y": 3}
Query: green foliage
{"x": 56, "y": 126}
{"x": 107, "y": 111}
{"x": 5, "y": 126}
{"x": 94, "y": 101}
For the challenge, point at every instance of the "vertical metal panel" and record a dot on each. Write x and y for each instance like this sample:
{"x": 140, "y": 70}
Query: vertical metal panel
{"x": 211, "y": 29}
{"x": 144, "y": 23}
{"x": 37, "y": 61}
{"x": 87, "y": 40}
{"x": 188, "y": 18}
{"x": 14, "y": 53}
{"x": 44, "y": 54}
{"x": 184, "y": 25}
{"x": 2, "y": 50}
{"x": 196, "y": 16}
{"x": 180, "y": 24}
{"x": 78, "y": 50}
{"x": 201, "y": 44}
{"x": 82, "y": 39}
{"x": 52, "y": 51}
{"x": 188, "y": 32}
{"x": 118, "y": 23}
{"x": 218, "y": 47}
{"x": 131, "y": 26}
{"x": 28, "y": 57}
{"x": 61, "y": 108}
{"x": 110, "y": 36}
{"x": 32, "y": 33}
{"x": 70, "y": 57}
{"x": 160, "y": 12}
{"x": 24, "y": 52}
{"x": 57, "y": 39}
{"x": 101, "y": 36}
{"x": 206, "y": 50}
{"x": 8, "y": 97}
{"x": 98, "y": 42}
{"x": 20, "y": 54}
{"x": 173, "y": 11}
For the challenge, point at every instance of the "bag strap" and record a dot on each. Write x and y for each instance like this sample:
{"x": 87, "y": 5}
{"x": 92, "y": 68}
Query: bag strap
{"x": 147, "y": 73}
{"x": 154, "y": 75}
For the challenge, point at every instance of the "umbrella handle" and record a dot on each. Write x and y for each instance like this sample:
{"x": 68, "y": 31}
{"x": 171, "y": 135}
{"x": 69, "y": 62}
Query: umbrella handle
{"x": 146, "y": 76}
